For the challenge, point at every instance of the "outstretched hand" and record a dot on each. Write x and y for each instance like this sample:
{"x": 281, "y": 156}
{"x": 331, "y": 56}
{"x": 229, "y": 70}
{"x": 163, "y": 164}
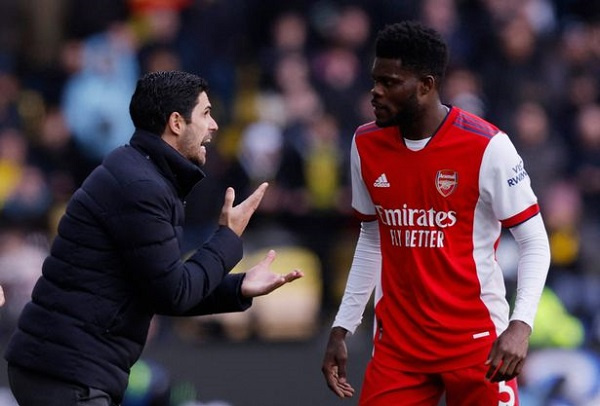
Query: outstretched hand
{"x": 260, "y": 280}
{"x": 237, "y": 217}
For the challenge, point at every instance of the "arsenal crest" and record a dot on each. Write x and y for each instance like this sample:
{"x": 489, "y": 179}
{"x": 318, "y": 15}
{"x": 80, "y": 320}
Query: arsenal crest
{"x": 446, "y": 181}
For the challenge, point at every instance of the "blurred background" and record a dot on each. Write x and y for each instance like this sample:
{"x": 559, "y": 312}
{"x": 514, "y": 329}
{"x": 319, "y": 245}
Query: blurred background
{"x": 289, "y": 83}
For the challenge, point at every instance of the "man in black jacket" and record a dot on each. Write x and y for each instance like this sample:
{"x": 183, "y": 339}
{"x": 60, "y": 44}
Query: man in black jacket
{"x": 117, "y": 260}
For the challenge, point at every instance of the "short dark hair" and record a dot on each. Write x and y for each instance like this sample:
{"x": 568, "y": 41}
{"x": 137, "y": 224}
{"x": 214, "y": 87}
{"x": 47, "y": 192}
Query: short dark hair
{"x": 422, "y": 50}
{"x": 159, "y": 94}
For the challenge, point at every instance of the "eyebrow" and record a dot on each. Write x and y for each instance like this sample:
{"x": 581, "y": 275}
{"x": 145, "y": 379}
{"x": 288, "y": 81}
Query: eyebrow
{"x": 388, "y": 76}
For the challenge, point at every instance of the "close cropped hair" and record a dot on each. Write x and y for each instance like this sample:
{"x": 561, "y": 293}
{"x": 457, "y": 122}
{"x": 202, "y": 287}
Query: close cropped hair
{"x": 159, "y": 94}
{"x": 420, "y": 48}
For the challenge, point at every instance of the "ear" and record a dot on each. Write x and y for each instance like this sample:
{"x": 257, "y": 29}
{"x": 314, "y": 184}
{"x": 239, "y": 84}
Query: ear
{"x": 427, "y": 84}
{"x": 176, "y": 123}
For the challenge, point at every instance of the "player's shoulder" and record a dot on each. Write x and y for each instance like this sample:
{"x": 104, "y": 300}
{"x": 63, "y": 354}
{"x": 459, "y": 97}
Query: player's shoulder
{"x": 367, "y": 128}
{"x": 469, "y": 123}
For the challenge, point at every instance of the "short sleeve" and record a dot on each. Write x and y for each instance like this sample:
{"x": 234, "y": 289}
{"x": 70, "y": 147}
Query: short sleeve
{"x": 505, "y": 184}
{"x": 361, "y": 200}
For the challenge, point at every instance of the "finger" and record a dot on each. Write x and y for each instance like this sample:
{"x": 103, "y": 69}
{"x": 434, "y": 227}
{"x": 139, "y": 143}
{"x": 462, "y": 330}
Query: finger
{"x": 330, "y": 373}
{"x": 254, "y": 199}
{"x": 513, "y": 368}
{"x": 229, "y": 198}
{"x": 342, "y": 389}
{"x": 345, "y": 388}
{"x": 491, "y": 355}
{"x": 493, "y": 370}
{"x": 508, "y": 367}
{"x": 491, "y": 373}
{"x": 292, "y": 276}
{"x": 503, "y": 368}
{"x": 493, "y": 366}
{"x": 269, "y": 258}
{"x": 279, "y": 282}
{"x": 347, "y": 391}
{"x": 276, "y": 282}
{"x": 334, "y": 388}
{"x": 519, "y": 368}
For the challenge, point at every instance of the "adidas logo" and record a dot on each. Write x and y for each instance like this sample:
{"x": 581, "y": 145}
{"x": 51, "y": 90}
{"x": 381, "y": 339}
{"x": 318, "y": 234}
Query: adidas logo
{"x": 382, "y": 181}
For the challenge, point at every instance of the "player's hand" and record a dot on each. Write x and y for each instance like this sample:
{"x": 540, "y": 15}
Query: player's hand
{"x": 260, "y": 280}
{"x": 334, "y": 363}
{"x": 1, "y": 297}
{"x": 237, "y": 217}
{"x": 508, "y": 352}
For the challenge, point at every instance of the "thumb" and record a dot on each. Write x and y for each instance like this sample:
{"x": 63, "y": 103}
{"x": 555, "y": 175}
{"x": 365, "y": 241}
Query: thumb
{"x": 229, "y": 198}
{"x": 269, "y": 258}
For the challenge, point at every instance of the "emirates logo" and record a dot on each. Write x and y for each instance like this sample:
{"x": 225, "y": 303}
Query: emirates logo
{"x": 446, "y": 181}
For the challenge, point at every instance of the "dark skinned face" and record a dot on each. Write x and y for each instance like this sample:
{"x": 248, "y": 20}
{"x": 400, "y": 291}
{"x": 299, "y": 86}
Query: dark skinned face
{"x": 394, "y": 94}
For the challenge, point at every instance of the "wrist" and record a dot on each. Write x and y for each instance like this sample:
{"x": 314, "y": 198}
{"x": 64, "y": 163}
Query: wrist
{"x": 338, "y": 332}
{"x": 523, "y": 328}
{"x": 243, "y": 290}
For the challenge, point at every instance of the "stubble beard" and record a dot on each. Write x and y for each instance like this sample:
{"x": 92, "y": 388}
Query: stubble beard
{"x": 406, "y": 118}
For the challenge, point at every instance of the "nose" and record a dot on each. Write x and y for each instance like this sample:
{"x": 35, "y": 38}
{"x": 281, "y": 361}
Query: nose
{"x": 376, "y": 90}
{"x": 213, "y": 125}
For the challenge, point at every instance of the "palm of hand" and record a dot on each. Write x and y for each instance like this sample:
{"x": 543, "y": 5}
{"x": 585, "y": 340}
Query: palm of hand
{"x": 260, "y": 280}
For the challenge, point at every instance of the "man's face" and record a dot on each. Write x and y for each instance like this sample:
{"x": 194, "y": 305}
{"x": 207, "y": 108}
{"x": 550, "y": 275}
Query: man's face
{"x": 198, "y": 133}
{"x": 394, "y": 93}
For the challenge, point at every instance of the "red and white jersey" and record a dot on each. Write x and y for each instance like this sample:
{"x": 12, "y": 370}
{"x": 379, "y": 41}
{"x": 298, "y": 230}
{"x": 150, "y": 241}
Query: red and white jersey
{"x": 440, "y": 211}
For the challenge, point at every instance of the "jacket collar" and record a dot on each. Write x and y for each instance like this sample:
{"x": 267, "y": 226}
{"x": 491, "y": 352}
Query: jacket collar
{"x": 181, "y": 172}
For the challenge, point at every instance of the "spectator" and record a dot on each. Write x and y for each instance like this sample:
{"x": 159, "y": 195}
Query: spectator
{"x": 110, "y": 68}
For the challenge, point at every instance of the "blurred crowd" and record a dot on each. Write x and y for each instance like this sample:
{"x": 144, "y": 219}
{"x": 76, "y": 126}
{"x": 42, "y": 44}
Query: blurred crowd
{"x": 289, "y": 82}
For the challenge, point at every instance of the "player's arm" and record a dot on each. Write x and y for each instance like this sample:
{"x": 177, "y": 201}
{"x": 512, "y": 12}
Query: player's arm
{"x": 366, "y": 265}
{"x": 510, "y": 349}
{"x": 362, "y": 278}
{"x": 508, "y": 189}
{"x": 534, "y": 261}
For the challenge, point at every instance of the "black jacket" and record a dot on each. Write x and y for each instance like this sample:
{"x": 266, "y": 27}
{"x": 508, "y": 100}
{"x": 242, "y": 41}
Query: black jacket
{"x": 116, "y": 262}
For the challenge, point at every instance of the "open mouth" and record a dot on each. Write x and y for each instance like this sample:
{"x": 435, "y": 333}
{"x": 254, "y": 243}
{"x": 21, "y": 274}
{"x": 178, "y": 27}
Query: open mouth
{"x": 379, "y": 109}
{"x": 377, "y": 106}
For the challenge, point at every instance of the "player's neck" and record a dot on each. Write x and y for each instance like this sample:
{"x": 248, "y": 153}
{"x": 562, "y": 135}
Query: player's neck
{"x": 426, "y": 125}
